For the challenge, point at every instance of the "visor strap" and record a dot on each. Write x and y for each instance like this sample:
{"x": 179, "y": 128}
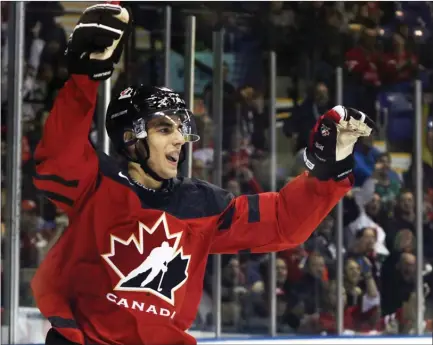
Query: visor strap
{"x": 143, "y": 163}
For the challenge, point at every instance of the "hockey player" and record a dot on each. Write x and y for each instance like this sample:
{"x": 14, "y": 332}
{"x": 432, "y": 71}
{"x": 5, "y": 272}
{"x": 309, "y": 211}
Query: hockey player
{"x": 129, "y": 269}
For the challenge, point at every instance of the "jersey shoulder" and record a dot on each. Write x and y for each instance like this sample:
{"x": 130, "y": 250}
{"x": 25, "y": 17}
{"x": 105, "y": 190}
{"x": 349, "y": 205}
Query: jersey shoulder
{"x": 202, "y": 198}
{"x": 110, "y": 167}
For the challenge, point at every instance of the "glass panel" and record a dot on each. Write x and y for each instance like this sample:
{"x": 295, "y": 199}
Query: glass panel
{"x": 380, "y": 266}
{"x": 306, "y": 274}
{"x": 380, "y": 62}
{"x": 41, "y": 224}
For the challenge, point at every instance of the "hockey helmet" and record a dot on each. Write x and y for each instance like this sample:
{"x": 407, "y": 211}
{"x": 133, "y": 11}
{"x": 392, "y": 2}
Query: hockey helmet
{"x": 135, "y": 106}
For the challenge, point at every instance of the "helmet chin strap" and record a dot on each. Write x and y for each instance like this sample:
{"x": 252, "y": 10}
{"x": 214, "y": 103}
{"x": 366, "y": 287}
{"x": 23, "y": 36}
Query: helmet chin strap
{"x": 143, "y": 163}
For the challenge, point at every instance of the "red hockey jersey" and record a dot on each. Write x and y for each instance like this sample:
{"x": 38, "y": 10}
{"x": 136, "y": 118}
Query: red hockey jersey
{"x": 129, "y": 272}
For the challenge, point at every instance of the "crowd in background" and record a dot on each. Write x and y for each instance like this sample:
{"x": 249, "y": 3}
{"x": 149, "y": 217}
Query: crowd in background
{"x": 382, "y": 47}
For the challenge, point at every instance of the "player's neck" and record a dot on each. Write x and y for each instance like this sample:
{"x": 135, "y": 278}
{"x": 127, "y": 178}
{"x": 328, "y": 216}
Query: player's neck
{"x": 138, "y": 174}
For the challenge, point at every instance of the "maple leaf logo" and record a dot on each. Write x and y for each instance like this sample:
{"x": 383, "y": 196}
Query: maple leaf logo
{"x": 150, "y": 260}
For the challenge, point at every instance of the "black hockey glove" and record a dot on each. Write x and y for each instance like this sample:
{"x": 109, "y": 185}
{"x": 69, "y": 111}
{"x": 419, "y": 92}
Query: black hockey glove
{"x": 96, "y": 44}
{"x": 329, "y": 154}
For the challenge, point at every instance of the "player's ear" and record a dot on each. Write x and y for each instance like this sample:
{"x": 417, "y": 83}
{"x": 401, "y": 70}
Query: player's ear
{"x": 133, "y": 145}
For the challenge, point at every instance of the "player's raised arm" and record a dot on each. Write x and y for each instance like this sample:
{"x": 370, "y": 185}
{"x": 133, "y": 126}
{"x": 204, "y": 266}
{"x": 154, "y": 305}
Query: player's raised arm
{"x": 276, "y": 221}
{"x": 66, "y": 164}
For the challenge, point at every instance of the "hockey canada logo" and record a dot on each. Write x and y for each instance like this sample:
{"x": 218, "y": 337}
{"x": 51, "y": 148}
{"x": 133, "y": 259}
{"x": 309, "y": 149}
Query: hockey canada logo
{"x": 325, "y": 130}
{"x": 152, "y": 262}
{"x": 127, "y": 93}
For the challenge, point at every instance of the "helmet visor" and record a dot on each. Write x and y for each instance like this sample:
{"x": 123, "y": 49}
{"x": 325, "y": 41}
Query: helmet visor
{"x": 184, "y": 117}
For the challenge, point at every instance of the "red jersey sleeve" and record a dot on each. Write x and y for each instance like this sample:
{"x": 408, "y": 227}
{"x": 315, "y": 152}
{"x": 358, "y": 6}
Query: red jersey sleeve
{"x": 66, "y": 163}
{"x": 66, "y": 171}
{"x": 269, "y": 222}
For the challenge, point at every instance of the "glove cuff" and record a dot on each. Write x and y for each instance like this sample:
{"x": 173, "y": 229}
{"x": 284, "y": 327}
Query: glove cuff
{"x": 324, "y": 171}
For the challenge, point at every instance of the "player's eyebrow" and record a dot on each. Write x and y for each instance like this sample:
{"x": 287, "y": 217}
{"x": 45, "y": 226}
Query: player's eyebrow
{"x": 164, "y": 122}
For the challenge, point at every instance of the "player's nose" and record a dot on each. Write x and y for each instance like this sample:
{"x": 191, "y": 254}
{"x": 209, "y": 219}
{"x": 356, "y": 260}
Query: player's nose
{"x": 178, "y": 139}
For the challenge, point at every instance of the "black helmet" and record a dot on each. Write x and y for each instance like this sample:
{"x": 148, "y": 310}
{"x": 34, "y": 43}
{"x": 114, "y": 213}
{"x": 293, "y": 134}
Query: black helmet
{"x": 134, "y": 107}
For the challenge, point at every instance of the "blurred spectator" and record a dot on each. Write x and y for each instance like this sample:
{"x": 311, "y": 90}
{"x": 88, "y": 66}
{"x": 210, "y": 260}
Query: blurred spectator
{"x": 362, "y": 61}
{"x": 352, "y": 279}
{"x": 357, "y": 319}
{"x": 427, "y": 157}
{"x": 253, "y": 122}
{"x": 30, "y": 224}
{"x": 199, "y": 170}
{"x": 303, "y": 117}
{"x": 280, "y": 26}
{"x": 397, "y": 282}
{"x": 305, "y": 295}
{"x": 403, "y": 320}
{"x": 322, "y": 241}
{"x": 367, "y": 213}
{"x": 428, "y": 240}
{"x": 262, "y": 291}
{"x": 404, "y": 215}
{"x": 47, "y": 57}
{"x": 233, "y": 187}
{"x": 238, "y": 165}
{"x": 295, "y": 261}
{"x": 366, "y": 15}
{"x": 385, "y": 182}
{"x": 359, "y": 281}
{"x": 363, "y": 252}
{"x": 230, "y": 100}
{"x": 365, "y": 159}
{"x": 400, "y": 64}
{"x": 234, "y": 290}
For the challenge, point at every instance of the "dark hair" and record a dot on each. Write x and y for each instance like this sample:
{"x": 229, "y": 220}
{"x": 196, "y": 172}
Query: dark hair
{"x": 361, "y": 232}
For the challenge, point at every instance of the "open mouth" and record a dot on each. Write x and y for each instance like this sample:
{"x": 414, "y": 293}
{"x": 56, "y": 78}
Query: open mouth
{"x": 173, "y": 158}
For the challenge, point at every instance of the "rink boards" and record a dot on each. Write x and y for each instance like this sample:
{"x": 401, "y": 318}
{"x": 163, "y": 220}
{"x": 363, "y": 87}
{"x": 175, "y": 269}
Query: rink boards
{"x": 33, "y": 327}
{"x": 366, "y": 340}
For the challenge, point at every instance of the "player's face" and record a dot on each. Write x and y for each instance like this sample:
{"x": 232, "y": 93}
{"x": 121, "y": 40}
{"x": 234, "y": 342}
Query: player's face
{"x": 165, "y": 141}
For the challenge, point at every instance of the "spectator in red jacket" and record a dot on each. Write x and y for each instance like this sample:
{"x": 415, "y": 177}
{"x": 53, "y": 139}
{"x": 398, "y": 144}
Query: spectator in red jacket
{"x": 400, "y": 64}
{"x": 362, "y": 61}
